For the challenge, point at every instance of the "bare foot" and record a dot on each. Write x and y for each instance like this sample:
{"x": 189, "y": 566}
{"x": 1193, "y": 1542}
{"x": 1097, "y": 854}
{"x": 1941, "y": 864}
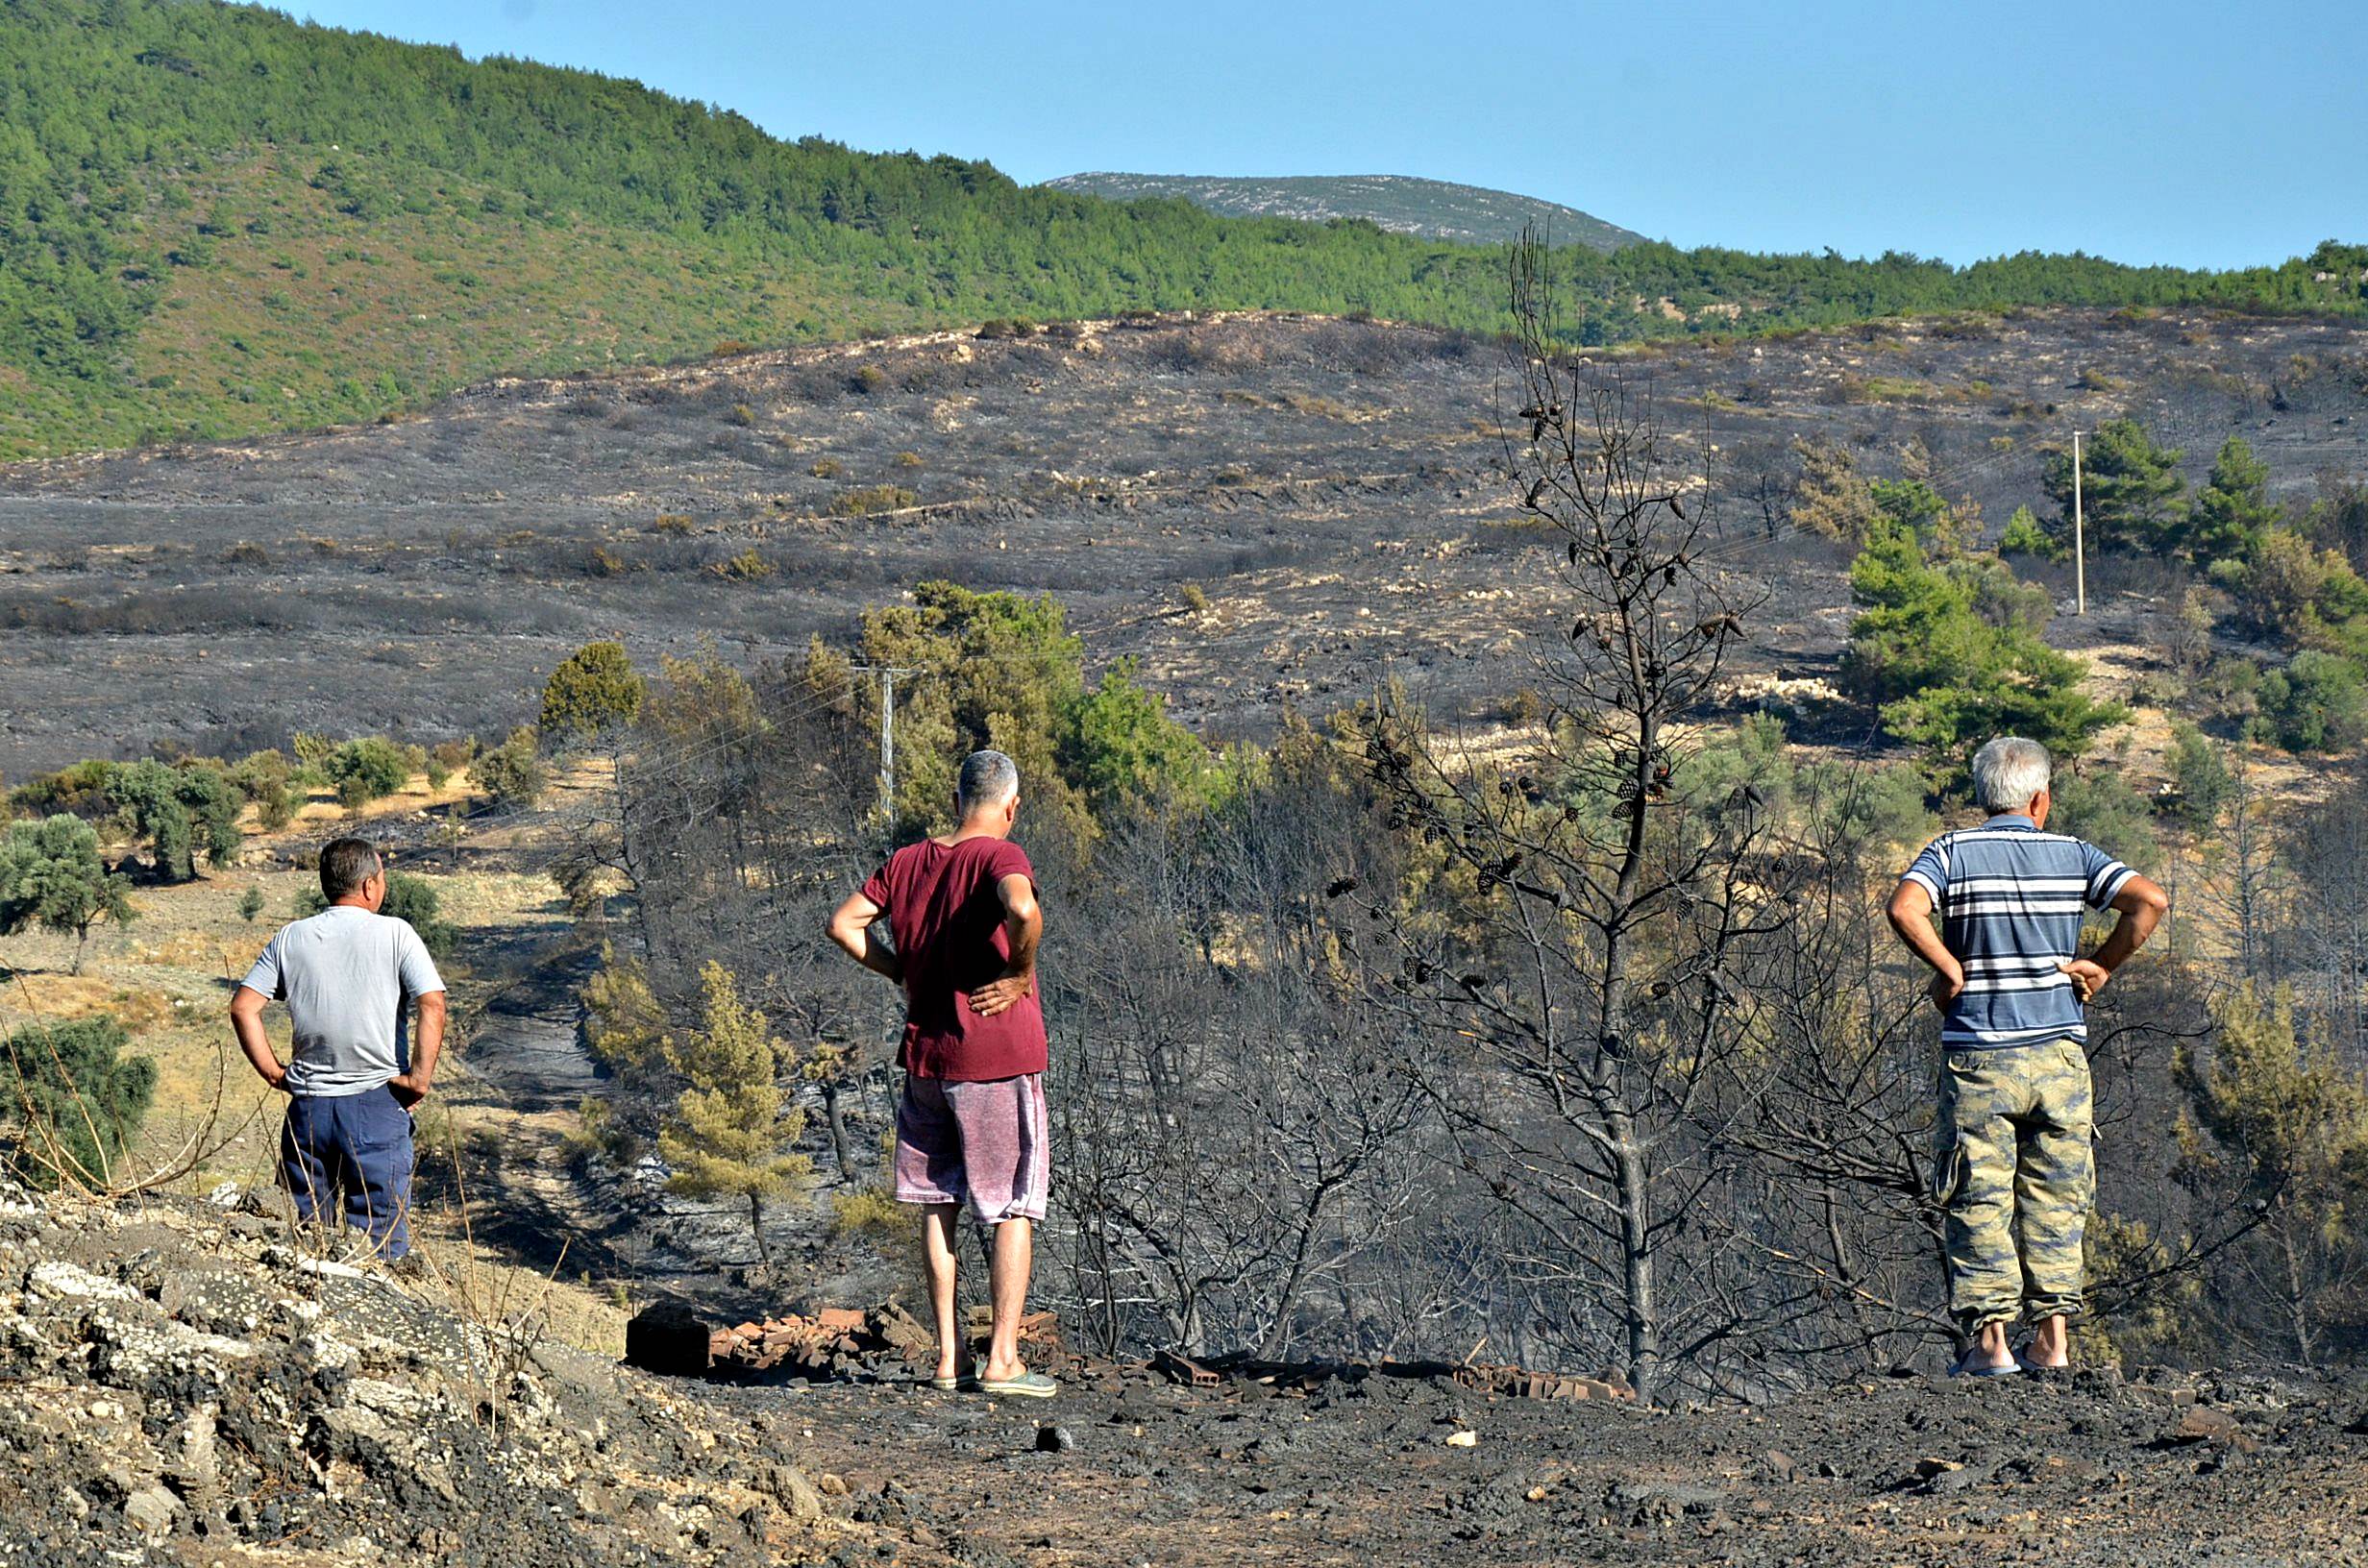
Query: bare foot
{"x": 2051, "y": 1345}
{"x": 1988, "y": 1352}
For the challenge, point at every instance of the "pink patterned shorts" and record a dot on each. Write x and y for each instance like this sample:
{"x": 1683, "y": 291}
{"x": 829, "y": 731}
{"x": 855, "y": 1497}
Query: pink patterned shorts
{"x": 981, "y": 1144}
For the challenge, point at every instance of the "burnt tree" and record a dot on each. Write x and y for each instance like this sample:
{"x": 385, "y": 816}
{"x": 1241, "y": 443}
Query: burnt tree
{"x": 1579, "y": 939}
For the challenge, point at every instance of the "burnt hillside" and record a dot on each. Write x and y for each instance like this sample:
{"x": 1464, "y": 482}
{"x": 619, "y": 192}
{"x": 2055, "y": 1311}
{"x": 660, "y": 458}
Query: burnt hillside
{"x": 1331, "y": 485}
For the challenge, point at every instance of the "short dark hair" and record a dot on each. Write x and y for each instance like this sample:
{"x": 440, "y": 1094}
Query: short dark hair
{"x": 346, "y": 864}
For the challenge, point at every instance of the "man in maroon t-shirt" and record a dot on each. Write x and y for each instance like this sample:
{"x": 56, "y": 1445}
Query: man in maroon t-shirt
{"x": 961, "y": 911}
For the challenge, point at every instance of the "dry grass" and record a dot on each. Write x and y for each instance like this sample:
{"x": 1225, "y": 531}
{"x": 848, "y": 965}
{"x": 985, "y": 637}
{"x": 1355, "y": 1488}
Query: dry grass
{"x": 168, "y": 978}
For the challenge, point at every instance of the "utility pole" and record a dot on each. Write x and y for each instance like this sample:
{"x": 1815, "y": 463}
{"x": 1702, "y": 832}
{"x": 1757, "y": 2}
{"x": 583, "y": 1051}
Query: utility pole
{"x": 2079, "y": 542}
{"x": 888, "y": 674}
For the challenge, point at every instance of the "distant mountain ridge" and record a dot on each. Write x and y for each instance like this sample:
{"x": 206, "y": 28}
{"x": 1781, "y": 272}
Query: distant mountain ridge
{"x": 1402, "y": 204}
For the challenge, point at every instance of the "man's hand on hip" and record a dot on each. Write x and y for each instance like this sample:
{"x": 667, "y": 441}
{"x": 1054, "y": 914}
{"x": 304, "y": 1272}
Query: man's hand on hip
{"x": 1002, "y": 994}
{"x": 1944, "y": 988}
{"x": 408, "y": 1089}
{"x": 2089, "y": 977}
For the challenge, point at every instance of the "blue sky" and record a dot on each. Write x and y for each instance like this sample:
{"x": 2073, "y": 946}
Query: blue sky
{"x": 2204, "y": 135}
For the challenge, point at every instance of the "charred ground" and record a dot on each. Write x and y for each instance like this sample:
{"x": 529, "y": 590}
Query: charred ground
{"x": 1334, "y": 487}
{"x": 182, "y": 1383}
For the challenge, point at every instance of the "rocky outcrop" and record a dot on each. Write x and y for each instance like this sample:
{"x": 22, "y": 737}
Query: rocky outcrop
{"x": 184, "y": 1382}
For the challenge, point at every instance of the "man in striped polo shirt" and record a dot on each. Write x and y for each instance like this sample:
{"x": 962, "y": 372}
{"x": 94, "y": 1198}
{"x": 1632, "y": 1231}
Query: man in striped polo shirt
{"x": 2011, "y": 1163}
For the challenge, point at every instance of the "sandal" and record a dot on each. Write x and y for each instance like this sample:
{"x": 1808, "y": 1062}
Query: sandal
{"x": 2012, "y": 1369}
{"x": 1026, "y": 1386}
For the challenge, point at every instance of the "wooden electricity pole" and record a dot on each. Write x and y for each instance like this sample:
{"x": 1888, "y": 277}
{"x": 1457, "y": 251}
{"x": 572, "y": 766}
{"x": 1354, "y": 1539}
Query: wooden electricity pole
{"x": 2080, "y": 543}
{"x": 888, "y": 674}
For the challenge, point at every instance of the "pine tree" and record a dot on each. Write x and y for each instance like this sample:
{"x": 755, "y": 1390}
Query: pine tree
{"x": 1944, "y": 677}
{"x": 2232, "y": 512}
{"x": 623, "y": 1022}
{"x": 730, "y": 1134}
{"x": 2132, "y": 496}
{"x": 2286, "y": 1124}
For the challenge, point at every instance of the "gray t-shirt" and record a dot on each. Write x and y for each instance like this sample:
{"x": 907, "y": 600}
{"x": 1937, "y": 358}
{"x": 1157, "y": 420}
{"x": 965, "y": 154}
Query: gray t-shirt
{"x": 348, "y": 977}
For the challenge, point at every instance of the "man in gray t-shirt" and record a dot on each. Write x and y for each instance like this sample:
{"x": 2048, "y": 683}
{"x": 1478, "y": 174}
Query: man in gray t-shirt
{"x": 349, "y": 976}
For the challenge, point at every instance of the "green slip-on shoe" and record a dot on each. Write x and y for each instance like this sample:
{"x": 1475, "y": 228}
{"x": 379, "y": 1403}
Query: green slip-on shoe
{"x": 1026, "y": 1386}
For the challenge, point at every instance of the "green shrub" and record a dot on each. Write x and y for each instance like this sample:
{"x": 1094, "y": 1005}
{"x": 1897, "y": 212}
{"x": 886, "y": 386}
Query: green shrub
{"x": 2318, "y": 702}
{"x": 594, "y": 690}
{"x": 870, "y": 499}
{"x": 178, "y": 812}
{"x": 81, "y": 789}
{"x": 70, "y": 1101}
{"x": 2100, "y": 804}
{"x": 1122, "y": 750}
{"x": 448, "y": 757}
{"x": 369, "y": 769}
{"x": 512, "y": 775}
{"x": 1942, "y": 677}
{"x": 749, "y": 566}
{"x": 2024, "y": 536}
{"x": 868, "y": 1212}
{"x": 266, "y": 780}
{"x": 2202, "y": 781}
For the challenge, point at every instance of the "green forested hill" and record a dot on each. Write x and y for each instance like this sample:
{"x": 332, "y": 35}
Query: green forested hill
{"x": 1402, "y": 205}
{"x": 214, "y": 220}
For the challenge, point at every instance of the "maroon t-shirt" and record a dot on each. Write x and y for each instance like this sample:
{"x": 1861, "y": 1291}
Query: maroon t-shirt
{"x": 947, "y": 923}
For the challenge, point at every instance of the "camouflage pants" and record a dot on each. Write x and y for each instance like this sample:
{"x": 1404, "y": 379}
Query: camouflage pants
{"x": 2013, "y": 1168}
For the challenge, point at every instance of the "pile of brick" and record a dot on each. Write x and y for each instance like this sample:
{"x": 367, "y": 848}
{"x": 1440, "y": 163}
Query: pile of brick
{"x": 835, "y": 1342}
{"x": 831, "y": 1342}
{"x": 1522, "y": 1383}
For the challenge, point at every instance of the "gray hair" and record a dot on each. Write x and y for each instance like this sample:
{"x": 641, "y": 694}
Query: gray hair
{"x": 988, "y": 778}
{"x": 2009, "y": 772}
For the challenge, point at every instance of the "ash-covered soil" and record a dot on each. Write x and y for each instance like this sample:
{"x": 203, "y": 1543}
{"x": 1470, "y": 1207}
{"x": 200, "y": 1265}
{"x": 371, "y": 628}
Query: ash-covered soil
{"x": 2078, "y": 1469}
{"x": 185, "y": 1384}
{"x": 1334, "y": 487}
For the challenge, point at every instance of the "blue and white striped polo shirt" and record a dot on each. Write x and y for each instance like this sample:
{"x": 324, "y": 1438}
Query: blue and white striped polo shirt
{"x": 2009, "y": 899}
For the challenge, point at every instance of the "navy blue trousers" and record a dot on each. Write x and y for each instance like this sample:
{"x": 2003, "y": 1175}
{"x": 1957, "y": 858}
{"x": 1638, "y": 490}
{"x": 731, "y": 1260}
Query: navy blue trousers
{"x": 351, "y": 1154}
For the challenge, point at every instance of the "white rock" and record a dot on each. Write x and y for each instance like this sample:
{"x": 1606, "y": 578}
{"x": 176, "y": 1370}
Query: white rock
{"x": 152, "y": 1508}
{"x": 61, "y": 1279}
